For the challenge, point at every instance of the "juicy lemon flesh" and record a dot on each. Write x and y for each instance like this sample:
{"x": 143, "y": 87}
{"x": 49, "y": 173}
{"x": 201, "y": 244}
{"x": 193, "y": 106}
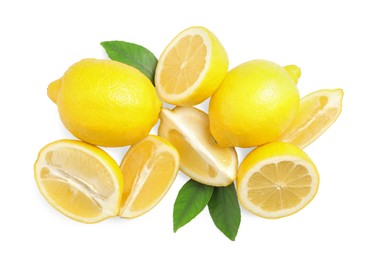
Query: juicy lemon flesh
{"x": 69, "y": 198}
{"x": 183, "y": 64}
{"x": 148, "y": 173}
{"x": 276, "y": 180}
{"x": 201, "y": 158}
{"x": 279, "y": 186}
{"x": 81, "y": 166}
{"x": 317, "y": 112}
{"x": 191, "y": 67}
{"x": 76, "y": 183}
{"x": 133, "y": 165}
{"x": 191, "y": 160}
{"x": 162, "y": 170}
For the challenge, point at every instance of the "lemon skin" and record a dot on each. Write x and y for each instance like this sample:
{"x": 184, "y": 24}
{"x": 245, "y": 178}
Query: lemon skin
{"x": 105, "y": 102}
{"x": 254, "y": 105}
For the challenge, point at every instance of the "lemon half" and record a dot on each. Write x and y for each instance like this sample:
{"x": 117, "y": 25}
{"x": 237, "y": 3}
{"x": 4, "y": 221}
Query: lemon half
{"x": 276, "y": 180}
{"x": 80, "y": 180}
{"x": 191, "y": 67}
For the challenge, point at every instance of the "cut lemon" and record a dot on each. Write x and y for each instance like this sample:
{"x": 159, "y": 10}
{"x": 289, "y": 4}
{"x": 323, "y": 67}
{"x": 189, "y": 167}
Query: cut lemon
{"x": 149, "y": 168}
{"x": 318, "y": 111}
{"x": 276, "y": 180}
{"x": 80, "y": 180}
{"x": 191, "y": 67}
{"x": 201, "y": 158}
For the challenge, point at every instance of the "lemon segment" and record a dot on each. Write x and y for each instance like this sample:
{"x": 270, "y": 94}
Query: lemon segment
{"x": 191, "y": 67}
{"x": 201, "y": 158}
{"x": 79, "y": 180}
{"x": 318, "y": 111}
{"x": 149, "y": 169}
{"x": 276, "y": 180}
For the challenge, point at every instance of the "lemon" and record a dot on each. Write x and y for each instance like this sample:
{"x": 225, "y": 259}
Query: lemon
{"x": 318, "y": 111}
{"x": 254, "y": 105}
{"x": 149, "y": 168}
{"x": 276, "y": 180}
{"x": 106, "y": 102}
{"x": 80, "y": 180}
{"x": 187, "y": 128}
{"x": 191, "y": 67}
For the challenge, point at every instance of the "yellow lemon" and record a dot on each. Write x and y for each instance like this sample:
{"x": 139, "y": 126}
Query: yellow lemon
{"x": 191, "y": 67}
{"x": 276, "y": 180}
{"x": 254, "y": 105}
{"x": 80, "y": 180}
{"x": 106, "y": 102}
{"x": 149, "y": 168}
{"x": 201, "y": 158}
{"x": 318, "y": 111}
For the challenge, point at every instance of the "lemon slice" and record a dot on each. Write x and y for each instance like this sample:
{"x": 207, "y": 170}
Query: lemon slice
{"x": 80, "y": 180}
{"x": 149, "y": 168}
{"x": 201, "y": 158}
{"x": 276, "y": 180}
{"x": 191, "y": 67}
{"x": 318, "y": 111}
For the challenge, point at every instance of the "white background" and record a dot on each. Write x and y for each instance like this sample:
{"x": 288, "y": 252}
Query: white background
{"x": 334, "y": 42}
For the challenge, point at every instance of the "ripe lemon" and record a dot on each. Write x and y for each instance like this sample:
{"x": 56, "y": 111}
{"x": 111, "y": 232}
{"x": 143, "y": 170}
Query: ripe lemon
{"x": 318, "y": 111}
{"x": 254, "y": 105}
{"x": 149, "y": 168}
{"x": 276, "y": 180}
{"x": 80, "y": 180}
{"x": 106, "y": 102}
{"x": 187, "y": 128}
{"x": 191, "y": 67}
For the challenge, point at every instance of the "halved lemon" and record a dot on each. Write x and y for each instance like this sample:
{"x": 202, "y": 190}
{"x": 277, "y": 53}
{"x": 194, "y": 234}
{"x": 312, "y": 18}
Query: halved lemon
{"x": 276, "y": 180}
{"x": 318, "y": 111}
{"x": 201, "y": 158}
{"x": 149, "y": 168}
{"x": 191, "y": 67}
{"x": 80, "y": 180}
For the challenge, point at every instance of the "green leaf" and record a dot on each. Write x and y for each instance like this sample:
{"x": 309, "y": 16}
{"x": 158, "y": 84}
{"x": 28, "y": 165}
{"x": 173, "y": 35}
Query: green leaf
{"x": 132, "y": 54}
{"x": 191, "y": 200}
{"x": 225, "y": 210}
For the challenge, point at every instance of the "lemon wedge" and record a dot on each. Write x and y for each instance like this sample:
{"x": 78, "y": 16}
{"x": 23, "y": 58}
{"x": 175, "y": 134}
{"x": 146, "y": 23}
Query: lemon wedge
{"x": 80, "y": 180}
{"x": 149, "y": 168}
{"x": 191, "y": 67}
{"x": 276, "y": 180}
{"x": 318, "y": 111}
{"x": 201, "y": 158}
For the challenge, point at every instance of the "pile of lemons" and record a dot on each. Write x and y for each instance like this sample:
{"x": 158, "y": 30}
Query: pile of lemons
{"x": 111, "y": 104}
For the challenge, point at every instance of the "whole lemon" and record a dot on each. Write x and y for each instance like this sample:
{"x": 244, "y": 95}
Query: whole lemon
{"x": 254, "y": 105}
{"x": 106, "y": 102}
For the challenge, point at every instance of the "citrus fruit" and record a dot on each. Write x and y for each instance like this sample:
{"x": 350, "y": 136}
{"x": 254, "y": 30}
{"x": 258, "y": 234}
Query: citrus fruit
{"x": 80, "y": 180}
{"x": 191, "y": 67}
{"x": 201, "y": 158}
{"x": 149, "y": 168}
{"x": 276, "y": 180}
{"x": 254, "y": 105}
{"x": 318, "y": 111}
{"x": 106, "y": 102}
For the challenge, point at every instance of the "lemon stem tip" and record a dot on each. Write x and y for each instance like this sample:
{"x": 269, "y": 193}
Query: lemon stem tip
{"x": 52, "y": 90}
